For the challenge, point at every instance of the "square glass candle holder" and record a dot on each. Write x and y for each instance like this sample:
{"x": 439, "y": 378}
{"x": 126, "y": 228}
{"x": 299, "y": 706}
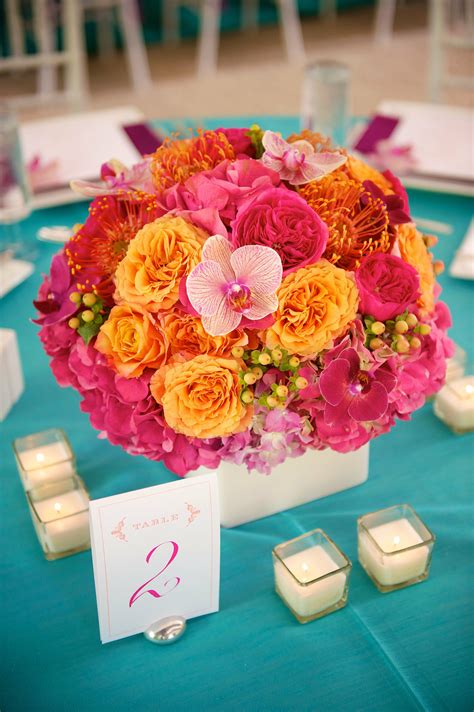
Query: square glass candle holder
{"x": 311, "y": 575}
{"x": 454, "y": 404}
{"x": 395, "y": 547}
{"x": 60, "y": 514}
{"x": 44, "y": 457}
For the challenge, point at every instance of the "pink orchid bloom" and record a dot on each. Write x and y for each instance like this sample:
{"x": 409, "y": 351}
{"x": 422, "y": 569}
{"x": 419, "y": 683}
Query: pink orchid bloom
{"x": 227, "y": 285}
{"x": 298, "y": 162}
{"x": 350, "y": 391}
{"x": 115, "y": 178}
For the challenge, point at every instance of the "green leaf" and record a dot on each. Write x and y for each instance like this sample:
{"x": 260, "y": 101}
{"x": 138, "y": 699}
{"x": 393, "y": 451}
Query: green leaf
{"x": 88, "y": 331}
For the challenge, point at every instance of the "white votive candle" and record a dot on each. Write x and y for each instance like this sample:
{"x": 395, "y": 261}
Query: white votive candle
{"x": 306, "y": 599}
{"x": 311, "y": 575}
{"x": 454, "y": 404}
{"x": 45, "y": 463}
{"x": 62, "y": 521}
{"x": 386, "y": 566}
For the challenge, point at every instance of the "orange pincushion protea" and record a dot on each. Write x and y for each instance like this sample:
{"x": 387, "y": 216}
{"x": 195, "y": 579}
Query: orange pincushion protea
{"x": 175, "y": 161}
{"x": 101, "y": 243}
{"x": 357, "y": 222}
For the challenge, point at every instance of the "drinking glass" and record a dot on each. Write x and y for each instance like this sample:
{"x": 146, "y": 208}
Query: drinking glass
{"x": 326, "y": 100}
{"x": 14, "y": 191}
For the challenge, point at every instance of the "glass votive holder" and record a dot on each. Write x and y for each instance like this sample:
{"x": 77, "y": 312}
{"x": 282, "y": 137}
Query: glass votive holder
{"x": 454, "y": 404}
{"x": 311, "y": 575}
{"x": 456, "y": 364}
{"x": 60, "y": 514}
{"x": 44, "y": 457}
{"x": 395, "y": 547}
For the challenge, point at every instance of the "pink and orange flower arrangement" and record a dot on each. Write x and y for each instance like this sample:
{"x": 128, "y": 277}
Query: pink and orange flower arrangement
{"x": 240, "y": 297}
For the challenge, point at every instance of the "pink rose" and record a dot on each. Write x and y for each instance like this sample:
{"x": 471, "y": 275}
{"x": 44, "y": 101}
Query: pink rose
{"x": 240, "y": 141}
{"x": 281, "y": 219}
{"x": 387, "y": 285}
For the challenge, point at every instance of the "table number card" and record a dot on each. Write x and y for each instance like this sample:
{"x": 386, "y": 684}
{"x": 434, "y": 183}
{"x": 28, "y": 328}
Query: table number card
{"x": 156, "y": 553}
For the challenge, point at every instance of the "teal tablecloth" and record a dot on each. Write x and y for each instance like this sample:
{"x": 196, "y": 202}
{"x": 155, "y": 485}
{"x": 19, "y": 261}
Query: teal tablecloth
{"x": 407, "y": 650}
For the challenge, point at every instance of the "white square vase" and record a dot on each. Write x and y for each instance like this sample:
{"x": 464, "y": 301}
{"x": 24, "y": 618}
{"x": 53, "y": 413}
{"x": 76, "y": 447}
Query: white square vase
{"x": 246, "y": 496}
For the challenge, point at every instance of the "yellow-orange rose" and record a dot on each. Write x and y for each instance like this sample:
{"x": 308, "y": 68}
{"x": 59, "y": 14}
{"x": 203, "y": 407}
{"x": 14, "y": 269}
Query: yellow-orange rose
{"x": 201, "y": 397}
{"x": 131, "y": 341}
{"x": 414, "y": 251}
{"x": 316, "y": 304}
{"x": 160, "y": 254}
{"x": 361, "y": 171}
{"x": 186, "y": 335}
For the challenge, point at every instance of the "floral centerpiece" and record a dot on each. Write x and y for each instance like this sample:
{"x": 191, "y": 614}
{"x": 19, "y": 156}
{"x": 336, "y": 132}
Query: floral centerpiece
{"x": 240, "y": 297}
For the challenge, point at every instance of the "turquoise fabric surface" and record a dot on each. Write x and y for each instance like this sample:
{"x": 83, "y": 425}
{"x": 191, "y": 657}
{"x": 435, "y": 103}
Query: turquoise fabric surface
{"x": 407, "y": 650}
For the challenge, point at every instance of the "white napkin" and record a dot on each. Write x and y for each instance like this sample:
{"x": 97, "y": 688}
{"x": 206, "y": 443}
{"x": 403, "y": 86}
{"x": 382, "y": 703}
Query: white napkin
{"x": 11, "y": 380}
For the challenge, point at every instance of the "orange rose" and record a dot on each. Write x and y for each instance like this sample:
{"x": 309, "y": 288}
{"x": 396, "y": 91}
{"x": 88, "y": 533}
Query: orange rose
{"x": 414, "y": 251}
{"x": 316, "y": 304}
{"x": 186, "y": 335}
{"x": 201, "y": 397}
{"x": 160, "y": 254}
{"x": 361, "y": 171}
{"x": 131, "y": 341}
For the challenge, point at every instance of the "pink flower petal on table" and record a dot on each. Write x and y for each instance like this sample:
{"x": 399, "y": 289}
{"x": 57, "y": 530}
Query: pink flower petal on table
{"x": 205, "y": 287}
{"x": 262, "y": 305}
{"x": 258, "y": 267}
{"x": 223, "y": 321}
{"x": 370, "y": 405}
{"x": 334, "y": 381}
{"x": 219, "y": 249}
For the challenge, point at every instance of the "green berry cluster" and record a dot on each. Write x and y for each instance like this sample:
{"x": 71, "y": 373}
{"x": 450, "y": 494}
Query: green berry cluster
{"x": 258, "y": 362}
{"x": 90, "y": 314}
{"x": 400, "y": 334}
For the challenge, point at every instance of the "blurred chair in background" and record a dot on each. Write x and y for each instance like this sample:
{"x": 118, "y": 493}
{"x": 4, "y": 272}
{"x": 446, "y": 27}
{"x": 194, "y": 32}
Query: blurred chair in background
{"x": 210, "y": 12}
{"x": 49, "y": 15}
{"x": 451, "y": 28}
{"x": 47, "y": 58}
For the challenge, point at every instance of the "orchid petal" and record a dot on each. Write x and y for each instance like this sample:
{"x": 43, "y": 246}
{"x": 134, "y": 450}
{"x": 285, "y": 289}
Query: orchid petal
{"x": 205, "y": 286}
{"x": 386, "y": 378}
{"x": 258, "y": 267}
{"x": 272, "y": 163}
{"x": 329, "y": 160}
{"x": 302, "y": 146}
{"x": 274, "y": 143}
{"x": 334, "y": 381}
{"x": 262, "y": 305}
{"x": 370, "y": 405}
{"x": 223, "y": 321}
{"x": 218, "y": 249}
{"x": 90, "y": 189}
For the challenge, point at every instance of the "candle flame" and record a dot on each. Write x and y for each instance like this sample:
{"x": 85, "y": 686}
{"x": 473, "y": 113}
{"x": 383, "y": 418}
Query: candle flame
{"x": 39, "y": 457}
{"x": 57, "y": 507}
{"x": 305, "y": 568}
{"x": 396, "y": 540}
{"x": 469, "y": 389}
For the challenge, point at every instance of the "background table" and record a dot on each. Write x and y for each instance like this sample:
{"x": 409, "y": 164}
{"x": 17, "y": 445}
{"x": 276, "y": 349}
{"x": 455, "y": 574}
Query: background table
{"x": 408, "y": 650}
